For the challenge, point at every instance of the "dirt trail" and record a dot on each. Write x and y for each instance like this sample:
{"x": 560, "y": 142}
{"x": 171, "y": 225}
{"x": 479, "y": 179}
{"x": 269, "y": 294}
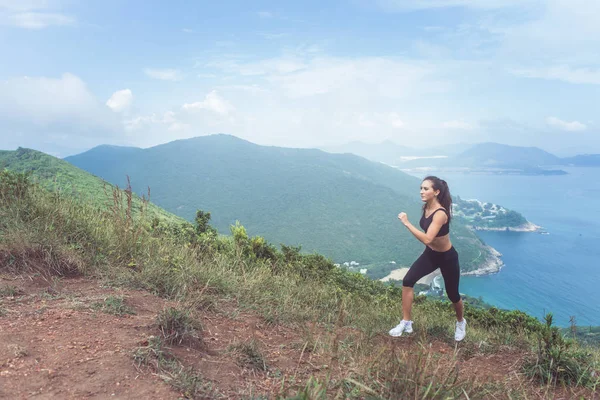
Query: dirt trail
{"x": 56, "y": 344}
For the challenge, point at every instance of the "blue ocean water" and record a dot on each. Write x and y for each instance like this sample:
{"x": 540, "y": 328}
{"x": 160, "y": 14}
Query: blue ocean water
{"x": 558, "y": 272}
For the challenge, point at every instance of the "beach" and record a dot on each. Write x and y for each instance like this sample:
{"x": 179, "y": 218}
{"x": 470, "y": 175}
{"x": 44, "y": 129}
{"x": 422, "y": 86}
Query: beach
{"x": 398, "y": 274}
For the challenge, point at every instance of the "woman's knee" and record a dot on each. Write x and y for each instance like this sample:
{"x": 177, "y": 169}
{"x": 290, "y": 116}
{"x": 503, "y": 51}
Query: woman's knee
{"x": 408, "y": 281}
{"x": 454, "y": 296}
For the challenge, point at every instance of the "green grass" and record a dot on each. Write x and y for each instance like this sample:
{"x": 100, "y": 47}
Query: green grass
{"x": 250, "y": 355}
{"x": 114, "y": 305}
{"x": 10, "y": 291}
{"x": 156, "y": 357}
{"x": 177, "y": 326}
{"x": 42, "y": 230}
{"x": 61, "y": 177}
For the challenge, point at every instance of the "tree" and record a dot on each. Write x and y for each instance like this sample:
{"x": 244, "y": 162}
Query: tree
{"x": 202, "y": 226}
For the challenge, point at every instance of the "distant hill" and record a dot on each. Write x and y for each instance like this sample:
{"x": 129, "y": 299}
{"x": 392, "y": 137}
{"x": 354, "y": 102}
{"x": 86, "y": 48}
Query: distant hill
{"x": 59, "y": 175}
{"x": 494, "y": 156}
{"x": 583, "y": 160}
{"x": 394, "y": 154}
{"x": 340, "y": 205}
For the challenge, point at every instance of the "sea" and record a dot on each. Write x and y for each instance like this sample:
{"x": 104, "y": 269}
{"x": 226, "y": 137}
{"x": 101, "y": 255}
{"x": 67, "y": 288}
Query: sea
{"x": 557, "y": 272}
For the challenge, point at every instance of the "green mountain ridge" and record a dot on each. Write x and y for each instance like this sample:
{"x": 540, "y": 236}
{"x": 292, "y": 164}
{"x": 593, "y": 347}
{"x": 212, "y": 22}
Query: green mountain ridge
{"x": 339, "y": 205}
{"x": 59, "y": 175}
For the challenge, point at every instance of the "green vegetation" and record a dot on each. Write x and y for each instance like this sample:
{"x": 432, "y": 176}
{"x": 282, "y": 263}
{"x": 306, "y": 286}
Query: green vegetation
{"x": 48, "y": 233}
{"x": 249, "y": 355}
{"x": 338, "y": 205}
{"x": 158, "y": 359}
{"x": 65, "y": 179}
{"x": 177, "y": 326}
{"x": 558, "y": 361}
{"x": 114, "y": 305}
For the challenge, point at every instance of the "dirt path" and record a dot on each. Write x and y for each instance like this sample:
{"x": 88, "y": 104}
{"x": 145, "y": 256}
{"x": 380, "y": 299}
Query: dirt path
{"x": 56, "y": 343}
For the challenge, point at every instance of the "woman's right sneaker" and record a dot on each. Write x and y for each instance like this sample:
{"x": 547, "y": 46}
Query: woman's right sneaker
{"x": 461, "y": 330}
{"x": 403, "y": 326}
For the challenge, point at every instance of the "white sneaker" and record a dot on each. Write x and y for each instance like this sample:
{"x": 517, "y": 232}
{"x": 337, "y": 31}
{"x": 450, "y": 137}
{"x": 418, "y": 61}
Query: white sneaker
{"x": 461, "y": 330}
{"x": 403, "y": 326}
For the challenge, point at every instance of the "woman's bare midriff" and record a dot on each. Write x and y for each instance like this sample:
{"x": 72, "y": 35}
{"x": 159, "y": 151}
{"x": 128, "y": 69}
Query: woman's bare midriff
{"x": 441, "y": 244}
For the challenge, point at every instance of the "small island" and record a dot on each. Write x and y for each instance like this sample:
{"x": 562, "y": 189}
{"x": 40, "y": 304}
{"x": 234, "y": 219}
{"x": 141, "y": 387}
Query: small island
{"x": 482, "y": 216}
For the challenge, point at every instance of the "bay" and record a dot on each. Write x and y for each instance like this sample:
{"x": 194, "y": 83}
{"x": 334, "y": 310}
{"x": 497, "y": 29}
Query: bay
{"x": 558, "y": 272}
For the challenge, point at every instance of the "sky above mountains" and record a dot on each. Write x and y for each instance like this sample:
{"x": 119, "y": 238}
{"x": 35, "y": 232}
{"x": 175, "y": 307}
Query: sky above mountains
{"x": 77, "y": 73}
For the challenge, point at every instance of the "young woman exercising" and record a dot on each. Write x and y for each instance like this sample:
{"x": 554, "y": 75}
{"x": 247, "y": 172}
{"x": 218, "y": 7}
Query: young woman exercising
{"x": 439, "y": 253}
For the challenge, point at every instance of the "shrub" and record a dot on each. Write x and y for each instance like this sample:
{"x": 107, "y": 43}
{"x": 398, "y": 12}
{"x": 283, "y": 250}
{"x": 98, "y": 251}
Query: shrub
{"x": 558, "y": 361}
{"x": 177, "y": 326}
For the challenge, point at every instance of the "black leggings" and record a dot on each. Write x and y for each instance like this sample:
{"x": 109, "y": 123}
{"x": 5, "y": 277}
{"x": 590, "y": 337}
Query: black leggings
{"x": 431, "y": 260}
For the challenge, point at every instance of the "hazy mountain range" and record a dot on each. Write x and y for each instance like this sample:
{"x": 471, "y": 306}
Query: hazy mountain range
{"x": 491, "y": 157}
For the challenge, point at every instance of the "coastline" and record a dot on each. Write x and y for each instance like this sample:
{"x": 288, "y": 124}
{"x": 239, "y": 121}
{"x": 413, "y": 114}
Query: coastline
{"x": 398, "y": 274}
{"x": 492, "y": 264}
{"x": 526, "y": 227}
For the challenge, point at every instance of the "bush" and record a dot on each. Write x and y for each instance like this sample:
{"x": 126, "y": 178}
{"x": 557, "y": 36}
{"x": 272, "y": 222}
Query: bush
{"x": 558, "y": 361}
{"x": 13, "y": 186}
{"x": 177, "y": 326}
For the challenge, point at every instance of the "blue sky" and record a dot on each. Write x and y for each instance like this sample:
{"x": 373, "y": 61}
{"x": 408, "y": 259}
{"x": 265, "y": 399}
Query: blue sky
{"x": 75, "y": 74}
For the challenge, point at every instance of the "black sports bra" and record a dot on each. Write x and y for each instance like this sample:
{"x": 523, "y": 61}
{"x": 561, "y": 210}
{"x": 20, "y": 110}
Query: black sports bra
{"x": 425, "y": 222}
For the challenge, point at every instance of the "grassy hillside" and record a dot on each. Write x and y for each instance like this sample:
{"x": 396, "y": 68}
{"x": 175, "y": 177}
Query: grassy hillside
{"x": 60, "y": 176}
{"x": 339, "y": 205}
{"x": 342, "y": 316}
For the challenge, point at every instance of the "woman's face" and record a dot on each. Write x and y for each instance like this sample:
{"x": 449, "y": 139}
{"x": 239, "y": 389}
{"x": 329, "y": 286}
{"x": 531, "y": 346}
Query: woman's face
{"x": 427, "y": 191}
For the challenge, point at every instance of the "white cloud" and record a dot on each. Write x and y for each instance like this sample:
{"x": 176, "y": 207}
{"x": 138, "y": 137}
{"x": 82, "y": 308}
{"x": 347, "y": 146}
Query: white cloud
{"x": 164, "y": 74}
{"x": 562, "y": 73}
{"x": 212, "y": 102}
{"x": 558, "y": 41}
{"x": 281, "y": 65}
{"x": 34, "y": 14}
{"x": 373, "y": 76}
{"x": 411, "y": 5}
{"x": 457, "y": 124}
{"x": 58, "y": 113}
{"x": 45, "y": 100}
{"x": 38, "y": 20}
{"x": 120, "y": 100}
{"x": 26, "y": 5}
{"x": 166, "y": 120}
{"x": 265, "y": 14}
{"x": 187, "y": 30}
{"x": 273, "y": 36}
{"x": 395, "y": 120}
{"x": 574, "y": 126}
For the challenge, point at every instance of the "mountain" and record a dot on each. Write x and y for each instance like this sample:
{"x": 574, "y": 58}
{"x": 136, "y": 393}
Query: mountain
{"x": 340, "y": 205}
{"x": 493, "y": 156}
{"x": 391, "y": 153}
{"x": 583, "y": 160}
{"x": 59, "y": 175}
{"x": 504, "y": 156}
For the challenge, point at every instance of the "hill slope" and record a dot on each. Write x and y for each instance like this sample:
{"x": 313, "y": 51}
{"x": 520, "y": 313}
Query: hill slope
{"x": 58, "y": 175}
{"x": 339, "y": 205}
{"x": 231, "y": 317}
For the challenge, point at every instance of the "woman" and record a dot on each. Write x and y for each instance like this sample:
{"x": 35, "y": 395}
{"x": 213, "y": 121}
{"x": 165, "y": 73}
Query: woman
{"x": 439, "y": 253}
